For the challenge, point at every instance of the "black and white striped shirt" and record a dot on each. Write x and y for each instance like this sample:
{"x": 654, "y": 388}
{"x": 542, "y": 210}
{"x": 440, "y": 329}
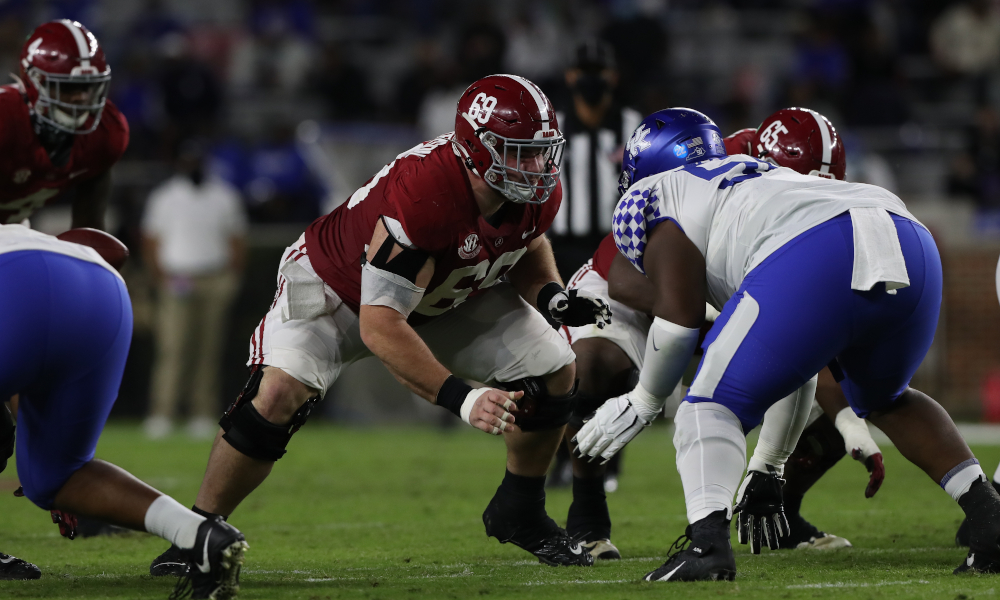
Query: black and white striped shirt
{"x": 591, "y": 165}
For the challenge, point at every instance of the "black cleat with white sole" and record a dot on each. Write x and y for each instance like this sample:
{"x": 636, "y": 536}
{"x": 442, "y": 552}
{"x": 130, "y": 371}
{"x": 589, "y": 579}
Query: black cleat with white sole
{"x": 214, "y": 563}
{"x": 15, "y": 569}
{"x": 173, "y": 562}
{"x": 703, "y": 553}
{"x": 541, "y": 537}
{"x": 982, "y": 510}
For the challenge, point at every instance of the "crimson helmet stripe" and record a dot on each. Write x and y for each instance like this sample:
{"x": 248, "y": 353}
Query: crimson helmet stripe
{"x": 824, "y": 131}
{"x": 543, "y": 108}
{"x": 78, "y": 37}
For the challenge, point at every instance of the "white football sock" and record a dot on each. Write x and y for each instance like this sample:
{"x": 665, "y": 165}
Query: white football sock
{"x": 958, "y": 480}
{"x": 172, "y": 522}
{"x": 783, "y": 424}
{"x": 711, "y": 455}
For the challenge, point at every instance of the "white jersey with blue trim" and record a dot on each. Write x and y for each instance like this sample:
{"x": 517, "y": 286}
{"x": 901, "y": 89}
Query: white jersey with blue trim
{"x": 737, "y": 210}
{"x": 15, "y": 238}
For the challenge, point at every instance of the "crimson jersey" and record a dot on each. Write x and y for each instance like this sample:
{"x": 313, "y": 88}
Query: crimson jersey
{"x": 604, "y": 255}
{"x": 427, "y": 190}
{"x": 28, "y": 179}
{"x": 739, "y": 141}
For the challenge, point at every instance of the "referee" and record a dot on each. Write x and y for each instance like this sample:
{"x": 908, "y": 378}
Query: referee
{"x": 596, "y": 130}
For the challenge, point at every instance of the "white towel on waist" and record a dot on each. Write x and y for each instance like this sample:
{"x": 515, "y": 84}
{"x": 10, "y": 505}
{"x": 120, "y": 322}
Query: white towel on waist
{"x": 878, "y": 256}
{"x": 306, "y": 298}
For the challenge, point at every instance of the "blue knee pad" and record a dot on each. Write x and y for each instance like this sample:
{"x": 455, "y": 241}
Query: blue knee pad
{"x": 796, "y": 312}
{"x": 67, "y": 335}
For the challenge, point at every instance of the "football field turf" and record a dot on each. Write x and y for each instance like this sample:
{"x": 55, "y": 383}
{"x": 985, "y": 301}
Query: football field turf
{"x": 396, "y": 513}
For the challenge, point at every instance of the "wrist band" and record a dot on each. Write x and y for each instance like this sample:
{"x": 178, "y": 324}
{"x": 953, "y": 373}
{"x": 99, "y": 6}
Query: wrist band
{"x": 545, "y": 296}
{"x": 452, "y": 395}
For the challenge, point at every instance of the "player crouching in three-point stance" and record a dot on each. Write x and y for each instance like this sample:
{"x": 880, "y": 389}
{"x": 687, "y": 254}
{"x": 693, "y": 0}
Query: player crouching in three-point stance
{"x": 608, "y": 361}
{"x": 807, "y": 272}
{"x": 67, "y": 326}
{"x": 434, "y": 266}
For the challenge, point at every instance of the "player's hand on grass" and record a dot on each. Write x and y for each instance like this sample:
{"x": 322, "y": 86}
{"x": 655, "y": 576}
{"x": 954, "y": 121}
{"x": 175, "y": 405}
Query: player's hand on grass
{"x": 761, "y": 510}
{"x": 67, "y": 523}
{"x": 615, "y": 424}
{"x": 859, "y": 444}
{"x": 574, "y": 308}
{"x": 491, "y": 410}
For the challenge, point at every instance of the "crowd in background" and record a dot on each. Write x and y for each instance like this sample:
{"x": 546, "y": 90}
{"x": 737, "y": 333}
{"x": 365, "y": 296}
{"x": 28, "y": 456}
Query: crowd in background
{"x": 244, "y": 73}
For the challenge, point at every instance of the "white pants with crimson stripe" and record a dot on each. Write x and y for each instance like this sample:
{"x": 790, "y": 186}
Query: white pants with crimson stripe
{"x": 493, "y": 337}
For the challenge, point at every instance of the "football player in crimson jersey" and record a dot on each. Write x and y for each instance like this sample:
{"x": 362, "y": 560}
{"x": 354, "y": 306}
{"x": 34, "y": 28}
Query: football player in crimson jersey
{"x": 58, "y": 130}
{"x": 608, "y": 359}
{"x": 435, "y": 266}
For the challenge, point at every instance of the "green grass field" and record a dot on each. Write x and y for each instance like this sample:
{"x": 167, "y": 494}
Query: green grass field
{"x": 396, "y": 514}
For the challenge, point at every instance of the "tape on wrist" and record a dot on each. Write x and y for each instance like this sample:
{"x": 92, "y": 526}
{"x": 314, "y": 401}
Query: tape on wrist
{"x": 646, "y": 405}
{"x": 470, "y": 401}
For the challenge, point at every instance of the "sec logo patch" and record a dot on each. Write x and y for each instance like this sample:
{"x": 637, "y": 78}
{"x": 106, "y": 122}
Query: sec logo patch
{"x": 470, "y": 248}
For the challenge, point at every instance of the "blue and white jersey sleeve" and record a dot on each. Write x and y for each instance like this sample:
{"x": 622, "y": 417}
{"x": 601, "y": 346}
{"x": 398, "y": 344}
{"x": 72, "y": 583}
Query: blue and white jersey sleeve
{"x": 690, "y": 196}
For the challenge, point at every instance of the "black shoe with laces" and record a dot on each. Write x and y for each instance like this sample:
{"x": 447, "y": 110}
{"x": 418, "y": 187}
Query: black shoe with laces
{"x": 13, "y": 568}
{"x": 541, "y": 537}
{"x": 703, "y": 553}
{"x": 171, "y": 562}
{"x": 214, "y": 563}
{"x": 963, "y": 535}
{"x": 982, "y": 511}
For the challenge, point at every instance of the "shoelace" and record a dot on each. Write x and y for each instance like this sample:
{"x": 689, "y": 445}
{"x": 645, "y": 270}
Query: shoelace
{"x": 183, "y": 588}
{"x": 679, "y": 545}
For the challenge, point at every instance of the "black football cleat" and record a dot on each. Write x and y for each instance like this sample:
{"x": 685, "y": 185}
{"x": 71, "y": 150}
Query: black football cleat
{"x": 15, "y": 569}
{"x": 982, "y": 511}
{"x": 703, "y": 553}
{"x": 171, "y": 562}
{"x": 542, "y": 537}
{"x": 962, "y": 535}
{"x": 803, "y": 535}
{"x": 602, "y": 549}
{"x": 214, "y": 563}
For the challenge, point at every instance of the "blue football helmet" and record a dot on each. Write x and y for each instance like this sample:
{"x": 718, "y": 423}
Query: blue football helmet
{"x": 667, "y": 139}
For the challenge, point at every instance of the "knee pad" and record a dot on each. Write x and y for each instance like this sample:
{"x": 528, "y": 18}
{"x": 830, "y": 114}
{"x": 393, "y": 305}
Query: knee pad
{"x": 537, "y": 410}
{"x": 253, "y": 435}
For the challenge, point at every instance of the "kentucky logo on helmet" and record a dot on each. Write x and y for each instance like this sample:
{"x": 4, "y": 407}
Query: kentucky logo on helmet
{"x": 637, "y": 143}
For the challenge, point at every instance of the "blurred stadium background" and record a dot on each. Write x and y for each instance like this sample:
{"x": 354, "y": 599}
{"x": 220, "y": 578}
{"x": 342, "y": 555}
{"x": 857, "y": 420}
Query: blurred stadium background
{"x": 302, "y": 101}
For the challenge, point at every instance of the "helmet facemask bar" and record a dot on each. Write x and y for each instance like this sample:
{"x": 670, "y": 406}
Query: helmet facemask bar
{"x": 70, "y": 117}
{"x": 521, "y": 185}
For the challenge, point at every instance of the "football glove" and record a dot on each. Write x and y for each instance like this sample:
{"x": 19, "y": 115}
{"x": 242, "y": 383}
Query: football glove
{"x": 761, "y": 511}
{"x": 615, "y": 424}
{"x": 859, "y": 444}
{"x": 6, "y": 435}
{"x": 573, "y": 308}
{"x": 67, "y": 523}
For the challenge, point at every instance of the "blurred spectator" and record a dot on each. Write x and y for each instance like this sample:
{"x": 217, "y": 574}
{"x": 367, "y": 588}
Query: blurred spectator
{"x": 191, "y": 93}
{"x": 138, "y": 98}
{"x": 480, "y": 53}
{"x": 430, "y": 70}
{"x": 821, "y": 68}
{"x": 278, "y": 53}
{"x": 976, "y": 172}
{"x": 342, "y": 86}
{"x": 193, "y": 240}
{"x": 640, "y": 43}
{"x": 965, "y": 39}
{"x": 596, "y": 130}
{"x": 280, "y": 185}
{"x": 536, "y": 47}
{"x": 877, "y": 87}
